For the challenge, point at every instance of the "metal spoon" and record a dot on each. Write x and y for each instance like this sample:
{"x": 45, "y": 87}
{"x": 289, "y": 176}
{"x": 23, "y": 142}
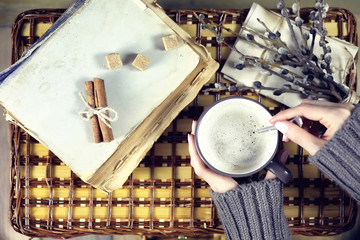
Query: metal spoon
{"x": 296, "y": 119}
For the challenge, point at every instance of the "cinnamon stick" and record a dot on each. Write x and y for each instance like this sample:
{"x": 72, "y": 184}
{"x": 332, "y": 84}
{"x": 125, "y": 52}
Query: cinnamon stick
{"x": 89, "y": 88}
{"x": 101, "y": 101}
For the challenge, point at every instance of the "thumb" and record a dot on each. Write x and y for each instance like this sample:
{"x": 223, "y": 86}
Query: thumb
{"x": 300, "y": 136}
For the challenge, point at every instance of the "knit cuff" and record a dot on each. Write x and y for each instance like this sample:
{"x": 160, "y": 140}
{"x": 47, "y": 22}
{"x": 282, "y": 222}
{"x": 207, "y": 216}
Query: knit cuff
{"x": 339, "y": 158}
{"x": 253, "y": 211}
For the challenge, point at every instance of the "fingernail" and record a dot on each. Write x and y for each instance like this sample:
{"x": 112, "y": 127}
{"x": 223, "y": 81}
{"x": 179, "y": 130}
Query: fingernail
{"x": 281, "y": 127}
{"x": 188, "y": 137}
{"x": 272, "y": 119}
{"x": 192, "y": 126}
{"x": 283, "y": 138}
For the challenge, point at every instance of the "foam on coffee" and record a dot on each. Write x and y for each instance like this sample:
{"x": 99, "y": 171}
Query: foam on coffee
{"x": 227, "y": 137}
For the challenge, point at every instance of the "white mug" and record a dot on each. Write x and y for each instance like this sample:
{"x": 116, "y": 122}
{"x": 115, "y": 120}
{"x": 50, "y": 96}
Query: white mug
{"x": 227, "y": 140}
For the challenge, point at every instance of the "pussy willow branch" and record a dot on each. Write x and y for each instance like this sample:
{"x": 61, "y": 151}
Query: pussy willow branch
{"x": 261, "y": 36}
{"x": 314, "y": 90}
{"x": 311, "y": 51}
{"x": 274, "y": 65}
{"x": 321, "y": 29}
{"x": 301, "y": 58}
{"x": 277, "y": 40}
{"x": 249, "y": 57}
{"x": 311, "y": 87}
{"x": 286, "y": 15}
{"x": 300, "y": 27}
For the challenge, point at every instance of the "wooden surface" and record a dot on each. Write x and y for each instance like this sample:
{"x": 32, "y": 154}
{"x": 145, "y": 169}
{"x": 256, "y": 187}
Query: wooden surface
{"x": 8, "y": 11}
{"x": 10, "y": 8}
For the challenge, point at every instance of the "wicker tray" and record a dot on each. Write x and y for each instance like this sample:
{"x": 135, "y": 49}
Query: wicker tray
{"x": 162, "y": 196}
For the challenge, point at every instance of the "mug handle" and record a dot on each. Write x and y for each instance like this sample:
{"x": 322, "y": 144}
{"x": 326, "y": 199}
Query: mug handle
{"x": 280, "y": 171}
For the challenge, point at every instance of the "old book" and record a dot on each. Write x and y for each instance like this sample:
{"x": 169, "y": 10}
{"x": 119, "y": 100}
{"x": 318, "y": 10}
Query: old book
{"x": 40, "y": 92}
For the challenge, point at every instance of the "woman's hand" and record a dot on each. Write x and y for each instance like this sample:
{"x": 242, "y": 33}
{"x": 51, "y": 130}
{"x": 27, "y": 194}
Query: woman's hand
{"x": 331, "y": 115}
{"x": 217, "y": 182}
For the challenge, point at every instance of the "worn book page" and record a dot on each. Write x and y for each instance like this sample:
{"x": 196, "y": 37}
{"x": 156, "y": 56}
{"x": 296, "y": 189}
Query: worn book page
{"x": 42, "y": 94}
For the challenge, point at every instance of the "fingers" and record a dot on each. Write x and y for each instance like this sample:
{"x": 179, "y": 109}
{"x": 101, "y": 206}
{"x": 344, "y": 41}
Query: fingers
{"x": 307, "y": 110}
{"x": 199, "y": 167}
{"x": 321, "y": 111}
{"x": 300, "y": 136}
{"x": 193, "y": 127}
{"x": 331, "y": 115}
{"x": 195, "y": 160}
{"x": 282, "y": 155}
{"x": 216, "y": 181}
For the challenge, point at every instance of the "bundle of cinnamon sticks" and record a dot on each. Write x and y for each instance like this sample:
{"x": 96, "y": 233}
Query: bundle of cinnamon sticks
{"x": 96, "y": 97}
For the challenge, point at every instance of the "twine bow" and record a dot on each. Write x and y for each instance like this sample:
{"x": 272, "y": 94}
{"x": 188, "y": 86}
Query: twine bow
{"x": 101, "y": 112}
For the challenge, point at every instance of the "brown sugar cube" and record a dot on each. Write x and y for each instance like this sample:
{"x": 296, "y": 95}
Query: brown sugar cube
{"x": 170, "y": 42}
{"x": 141, "y": 62}
{"x": 113, "y": 61}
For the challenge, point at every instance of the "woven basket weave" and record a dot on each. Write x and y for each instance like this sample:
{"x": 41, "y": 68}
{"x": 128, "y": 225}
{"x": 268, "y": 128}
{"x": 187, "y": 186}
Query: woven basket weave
{"x": 162, "y": 196}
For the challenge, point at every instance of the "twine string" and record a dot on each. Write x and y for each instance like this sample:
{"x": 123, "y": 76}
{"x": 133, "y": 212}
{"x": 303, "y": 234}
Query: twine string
{"x": 101, "y": 112}
{"x": 352, "y": 98}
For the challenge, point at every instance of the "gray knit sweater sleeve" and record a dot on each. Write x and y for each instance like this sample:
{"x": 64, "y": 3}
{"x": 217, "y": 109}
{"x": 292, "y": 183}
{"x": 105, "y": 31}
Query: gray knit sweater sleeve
{"x": 253, "y": 211}
{"x": 339, "y": 158}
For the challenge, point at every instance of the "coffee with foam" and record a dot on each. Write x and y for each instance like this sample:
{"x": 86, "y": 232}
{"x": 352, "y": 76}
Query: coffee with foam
{"x": 226, "y": 136}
